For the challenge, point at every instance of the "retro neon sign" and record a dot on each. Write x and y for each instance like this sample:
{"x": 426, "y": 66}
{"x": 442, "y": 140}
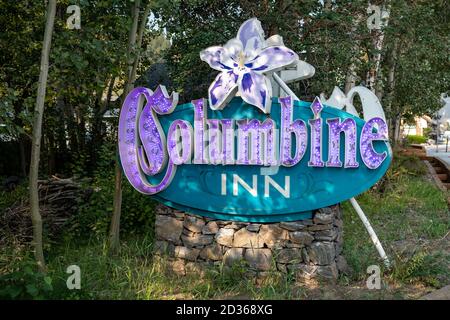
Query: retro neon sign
{"x": 224, "y": 158}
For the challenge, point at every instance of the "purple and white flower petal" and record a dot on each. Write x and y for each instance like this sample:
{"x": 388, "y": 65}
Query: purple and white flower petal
{"x": 251, "y": 35}
{"x": 243, "y": 63}
{"x": 272, "y": 59}
{"x": 275, "y": 40}
{"x": 217, "y": 58}
{"x": 222, "y": 89}
{"x": 233, "y": 49}
{"x": 255, "y": 89}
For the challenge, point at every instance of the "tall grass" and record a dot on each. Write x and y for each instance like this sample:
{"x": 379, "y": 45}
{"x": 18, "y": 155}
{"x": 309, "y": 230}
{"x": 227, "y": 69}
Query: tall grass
{"x": 409, "y": 214}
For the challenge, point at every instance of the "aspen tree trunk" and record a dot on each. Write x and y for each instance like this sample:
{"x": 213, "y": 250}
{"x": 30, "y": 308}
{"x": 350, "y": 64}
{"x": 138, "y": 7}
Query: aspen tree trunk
{"x": 378, "y": 41}
{"x": 390, "y": 94}
{"x": 114, "y": 232}
{"x": 36, "y": 138}
{"x": 398, "y": 123}
{"x": 350, "y": 78}
{"x": 138, "y": 46}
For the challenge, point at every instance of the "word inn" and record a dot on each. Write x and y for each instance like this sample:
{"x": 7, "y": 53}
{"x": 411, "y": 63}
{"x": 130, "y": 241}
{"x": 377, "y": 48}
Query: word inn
{"x": 253, "y": 189}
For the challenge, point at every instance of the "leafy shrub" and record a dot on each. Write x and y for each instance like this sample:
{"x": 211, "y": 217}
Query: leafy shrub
{"x": 94, "y": 216}
{"x": 413, "y": 139}
{"x": 402, "y": 167}
{"x": 8, "y": 198}
{"x": 407, "y": 165}
{"x": 25, "y": 283}
{"x": 431, "y": 269}
{"x": 427, "y": 131}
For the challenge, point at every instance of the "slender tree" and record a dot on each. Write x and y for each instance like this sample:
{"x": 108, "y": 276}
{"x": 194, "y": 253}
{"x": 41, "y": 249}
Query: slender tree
{"x": 378, "y": 42}
{"x": 133, "y": 55}
{"x": 36, "y": 137}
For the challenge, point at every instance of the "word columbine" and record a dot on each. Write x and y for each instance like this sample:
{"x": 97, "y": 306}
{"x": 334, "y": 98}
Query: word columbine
{"x": 144, "y": 150}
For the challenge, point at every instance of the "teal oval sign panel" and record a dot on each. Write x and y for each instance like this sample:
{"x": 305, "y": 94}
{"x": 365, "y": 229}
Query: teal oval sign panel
{"x": 242, "y": 164}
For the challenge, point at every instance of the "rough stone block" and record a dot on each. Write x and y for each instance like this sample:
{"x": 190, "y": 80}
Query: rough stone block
{"x": 186, "y": 253}
{"x": 212, "y": 252}
{"x": 273, "y": 235}
{"x": 193, "y": 224}
{"x": 326, "y": 235}
{"x": 338, "y": 223}
{"x": 303, "y": 271}
{"x": 179, "y": 214}
{"x": 168, "y": 228}
{"x": 225, "y": 237}
{"x": 293, "y": 245}
{"x": 282, "y": 267}
{"x": 254, "y": 227}
{"x": 222, "y": 223}
{"x": 210, "y": 228}
{"x": 199, "y": 240}
{"x": 289, "y": 255}
{"x": 234, "y": 225}
{"x": 323, "y": 218}
{"x": 189, "y": 233}
{"x": 233, "y": 256}
{"x": 260, "y": 259}
{"x": 328, "y": 272}
{"x": 301, "y": 237}
{"x": 246, "y": 239}
{"x": 307, "y": 222}
{"x": 322, "y": 253}
{"x": 338, "y": 248}
{"x": 162, "y": 210}
{"x": 319, "y": 227}
{"x": 329, "y": 211}
{"x": 305, "y": 256}
{"x": 293, "y": 226}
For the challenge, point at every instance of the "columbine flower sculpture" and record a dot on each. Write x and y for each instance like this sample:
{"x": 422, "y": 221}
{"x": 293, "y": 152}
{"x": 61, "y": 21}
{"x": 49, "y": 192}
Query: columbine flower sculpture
{"x": 244, "y": 63}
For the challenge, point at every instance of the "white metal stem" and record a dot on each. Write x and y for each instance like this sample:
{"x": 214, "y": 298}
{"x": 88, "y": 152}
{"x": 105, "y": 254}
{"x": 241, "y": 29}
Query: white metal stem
{"x": 371, "y": 232}
{"x": 284, "y": 86}
{"x": 353, "y": 201}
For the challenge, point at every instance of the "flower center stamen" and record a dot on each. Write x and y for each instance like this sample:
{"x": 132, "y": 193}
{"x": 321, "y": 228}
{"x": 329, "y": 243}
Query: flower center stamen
{"x": 241, "y": 60}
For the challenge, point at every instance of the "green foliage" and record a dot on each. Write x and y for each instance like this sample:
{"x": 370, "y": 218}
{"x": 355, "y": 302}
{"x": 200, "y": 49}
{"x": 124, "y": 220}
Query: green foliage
{"x": 22, "y": 25}
{"x": 323, "y": 37}
{"x": 405, "y": 208}
{"x": 427, "y": 131}
{"x": 422, "y": 66}
{"x": 94, "y": 216}
{"x": 401, "y": 168}
{"x": 136, "y": 274}
{"x": 331, "y": 35}
{"x": 431, "y": 269}
{"x": 8, "y": 198}
{"x": 413, "y": 139}
{"x": 406, "y": 166}
{"x": 26, "y": 283}
{"x": 86, "y": 63}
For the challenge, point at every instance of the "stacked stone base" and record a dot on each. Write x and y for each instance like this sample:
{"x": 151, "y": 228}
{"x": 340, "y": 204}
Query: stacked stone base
{"x": 307, "y": 249}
